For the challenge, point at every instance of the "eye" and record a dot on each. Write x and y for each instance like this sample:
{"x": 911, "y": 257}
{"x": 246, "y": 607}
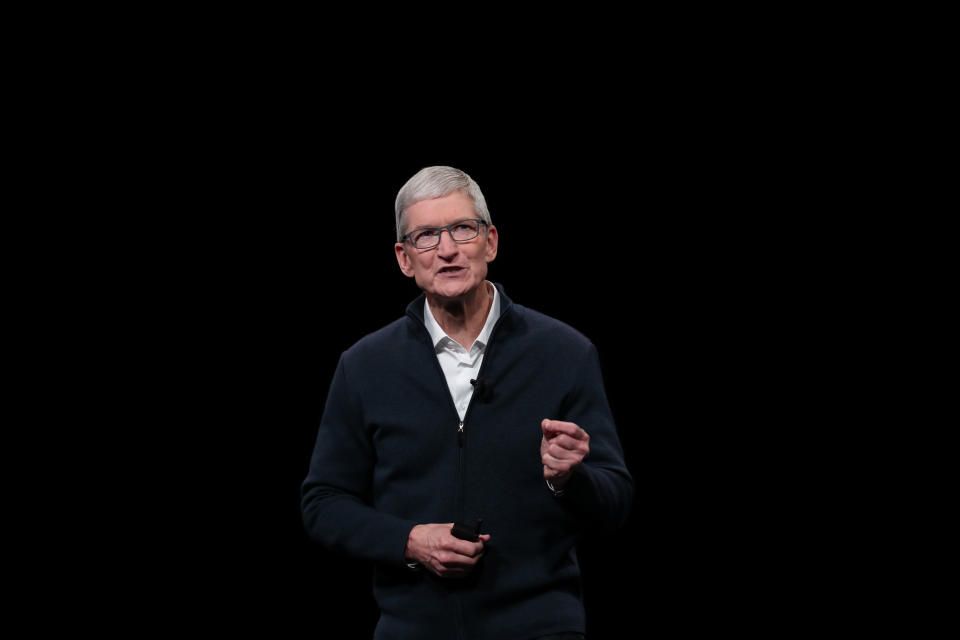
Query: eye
{"x": 464, "y": 230}
{"x": 423, "y": 233}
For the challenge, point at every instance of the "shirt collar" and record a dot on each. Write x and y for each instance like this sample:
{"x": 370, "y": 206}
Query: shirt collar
{"x": 438, "y": 335}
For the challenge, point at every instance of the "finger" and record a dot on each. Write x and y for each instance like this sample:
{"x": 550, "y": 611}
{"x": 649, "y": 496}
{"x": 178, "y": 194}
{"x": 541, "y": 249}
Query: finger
{"x": 577, "y": 448}
{"x": 566, "y": 442}
{"x": 453, "y": 560}
{"x": 461, "y": 547}
{"x": 453, "y": 543}
{"x": 547, "y": 431}
{"x": 550, "y": 472}
{"x": 555, "y": 427}
{"x": 464, "y": 547}
{"x": 560, "y": 454}
{"x": 557, "y": 464}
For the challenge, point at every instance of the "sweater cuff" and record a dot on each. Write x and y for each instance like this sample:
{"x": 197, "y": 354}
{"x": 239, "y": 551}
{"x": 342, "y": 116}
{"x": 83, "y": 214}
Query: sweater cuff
{"x": 403, "y": 534}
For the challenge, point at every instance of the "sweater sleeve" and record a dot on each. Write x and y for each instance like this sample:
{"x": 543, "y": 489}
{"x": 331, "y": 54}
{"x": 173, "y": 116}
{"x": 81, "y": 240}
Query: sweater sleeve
{"x": 601, "y": 489}
{"x": 336, "y": 494}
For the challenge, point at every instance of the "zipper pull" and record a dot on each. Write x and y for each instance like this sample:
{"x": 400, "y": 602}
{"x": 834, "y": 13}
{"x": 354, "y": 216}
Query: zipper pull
{"x": 460, "y": 433}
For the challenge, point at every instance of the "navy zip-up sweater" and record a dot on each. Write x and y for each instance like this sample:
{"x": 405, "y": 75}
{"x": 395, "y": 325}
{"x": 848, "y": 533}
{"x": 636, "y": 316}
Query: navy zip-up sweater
{"x": 390, "y": 455}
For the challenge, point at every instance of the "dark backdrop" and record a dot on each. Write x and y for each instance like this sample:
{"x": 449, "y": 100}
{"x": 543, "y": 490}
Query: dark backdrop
{"x": 569, "y": 247}
{"x": 670, "y": 216}
{"x": 296, "y": 263}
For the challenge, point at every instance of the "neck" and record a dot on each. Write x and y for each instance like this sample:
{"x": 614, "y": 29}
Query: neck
{"x": 463, "y": 318}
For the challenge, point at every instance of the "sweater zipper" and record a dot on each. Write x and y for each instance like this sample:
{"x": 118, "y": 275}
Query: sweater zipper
{"x": 461, "y": 441}
{"x": 461, "y": 437}
{"x": 460, "y": 434}
{"x": 460, "y": 482}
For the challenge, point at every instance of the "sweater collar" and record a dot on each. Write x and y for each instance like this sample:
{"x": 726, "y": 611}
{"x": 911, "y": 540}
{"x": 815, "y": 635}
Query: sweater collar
{"x": 415, "y": 308}
{"x": 438, "y": 335}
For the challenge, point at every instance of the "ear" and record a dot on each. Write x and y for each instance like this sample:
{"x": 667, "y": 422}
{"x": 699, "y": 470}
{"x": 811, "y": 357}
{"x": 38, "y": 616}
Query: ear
{"x": 493, "y": 240}
{"x": 403, "y": 259}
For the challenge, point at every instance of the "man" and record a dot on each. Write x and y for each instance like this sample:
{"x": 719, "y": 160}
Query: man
{"x": 470, "y": 410}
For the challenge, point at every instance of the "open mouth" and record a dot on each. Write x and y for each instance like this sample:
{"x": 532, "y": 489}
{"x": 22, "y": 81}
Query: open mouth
{"x": 451, "y": 271}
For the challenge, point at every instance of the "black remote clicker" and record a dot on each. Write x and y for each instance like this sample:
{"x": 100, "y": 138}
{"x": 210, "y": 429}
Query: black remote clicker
{"x": 465, "y": 532}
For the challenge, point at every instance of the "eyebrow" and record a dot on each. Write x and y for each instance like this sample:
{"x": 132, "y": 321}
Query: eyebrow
{"x": 442, "y": 226}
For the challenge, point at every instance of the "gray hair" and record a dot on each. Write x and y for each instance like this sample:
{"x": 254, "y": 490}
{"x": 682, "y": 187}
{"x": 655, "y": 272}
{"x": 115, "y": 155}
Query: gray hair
{"x": 436, "y": 182}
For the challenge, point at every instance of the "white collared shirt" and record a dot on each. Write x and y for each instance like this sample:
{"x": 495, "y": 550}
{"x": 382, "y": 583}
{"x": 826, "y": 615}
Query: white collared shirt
{"x": 461, "y": 365}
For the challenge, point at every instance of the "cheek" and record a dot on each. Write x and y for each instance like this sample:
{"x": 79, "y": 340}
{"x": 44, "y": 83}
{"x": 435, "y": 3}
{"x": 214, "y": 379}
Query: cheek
{"x": 481, "y": 262}
{"x": 423, "y": 265}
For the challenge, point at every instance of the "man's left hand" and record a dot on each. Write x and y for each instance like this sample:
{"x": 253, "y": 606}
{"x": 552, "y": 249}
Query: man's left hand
{"x": 563, "y": 447}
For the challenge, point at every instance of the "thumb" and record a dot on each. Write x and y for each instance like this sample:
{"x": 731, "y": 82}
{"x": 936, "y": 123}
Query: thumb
{"x": 548, "y": 432}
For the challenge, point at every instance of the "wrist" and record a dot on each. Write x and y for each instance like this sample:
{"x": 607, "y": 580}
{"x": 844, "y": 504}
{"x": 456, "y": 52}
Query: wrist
{"x": 409, "y": 549}
{"x": 559, "y": 481}
{"x": 556, "y": 486}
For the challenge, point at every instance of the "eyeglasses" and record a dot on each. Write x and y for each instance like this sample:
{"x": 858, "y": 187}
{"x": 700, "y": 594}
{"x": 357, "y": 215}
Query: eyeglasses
{"x": 429, "y": 237}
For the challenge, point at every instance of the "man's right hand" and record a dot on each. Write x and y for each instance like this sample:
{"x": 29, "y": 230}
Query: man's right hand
{"x": 434, "y": 547}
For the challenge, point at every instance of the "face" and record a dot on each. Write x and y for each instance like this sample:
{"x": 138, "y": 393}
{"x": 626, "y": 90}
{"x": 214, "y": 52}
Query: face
{"x": 450, "y": 269}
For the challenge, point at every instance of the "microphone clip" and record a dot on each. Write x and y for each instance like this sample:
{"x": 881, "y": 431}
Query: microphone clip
{"x": 483, "y": 389}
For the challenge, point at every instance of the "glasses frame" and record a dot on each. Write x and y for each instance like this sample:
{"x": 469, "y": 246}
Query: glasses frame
{"x": 406, "y": 237}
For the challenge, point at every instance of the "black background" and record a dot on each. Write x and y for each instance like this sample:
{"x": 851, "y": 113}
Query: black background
{"x": 224, "y": 227}
{"x": 283, "y": 257}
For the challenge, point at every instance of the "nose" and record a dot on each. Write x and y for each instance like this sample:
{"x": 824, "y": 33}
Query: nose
{"x": 448, "y": 247}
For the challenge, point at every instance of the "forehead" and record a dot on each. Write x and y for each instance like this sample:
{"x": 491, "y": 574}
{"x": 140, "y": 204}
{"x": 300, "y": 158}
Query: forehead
{"x": 438, "y": 212}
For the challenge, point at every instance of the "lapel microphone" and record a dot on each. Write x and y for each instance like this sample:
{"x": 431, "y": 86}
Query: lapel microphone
{"x": 483, "y": 389}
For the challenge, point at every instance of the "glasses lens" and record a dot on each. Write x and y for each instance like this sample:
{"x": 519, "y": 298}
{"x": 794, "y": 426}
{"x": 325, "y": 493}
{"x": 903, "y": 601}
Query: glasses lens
{"x": 466, "y": 230}
{"x": 459, "y": 231}
{"x": 424, "y": 238}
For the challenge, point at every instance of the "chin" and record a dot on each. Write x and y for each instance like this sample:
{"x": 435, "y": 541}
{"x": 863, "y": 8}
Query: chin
{"x": 453, "y": 289}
